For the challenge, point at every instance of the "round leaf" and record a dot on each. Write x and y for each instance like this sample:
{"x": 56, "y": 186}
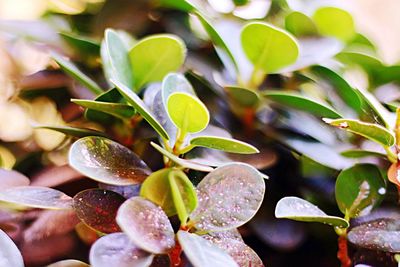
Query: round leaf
{"x": 173, "y": 83}
{"x": 117, "y": 250}
{"x": 300, "y": 24}
{"x": 268, "y": 47}
{"x": 154, "y": 57}
{"x": 359, "y": 189}
{"x": 187, "y": 112}
{"x": 224, "y": 144}
{"x": 107, "y": 161}
{"x": 10, "y": 178}
{"x": 147, "y": 225}
{"x": 228, "y": 197}
{"x": 36, "y": 197}
{"x": 98, "y": 209}
{"x": 301, "y": 210}
{"x": 336, "y": 22}
{"x": 9, "y": 253}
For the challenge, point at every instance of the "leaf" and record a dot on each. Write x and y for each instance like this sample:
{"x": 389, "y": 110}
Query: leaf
{"x": 174, "y": 83}
{"x": 182, "y": 162}
{"x": 182, "y": 5}
{"x": 141, "y": 108}
{"x": 73, "y": 131}
{"x": 224, "y": 144}
{"x": 68, "y": 263}
{"x": 10, "y": 178}
{"x": 9, "y": 254}
{"x": 372, "y": 131}
{"x": 83, "y": 45}
{"x": 300, "y": 24}
{"x": 119, "y": 110}
{"x": 382, "y": 234}
{"x": 117, "y": 51}
{"x": 298, "y": 209}
{"x": 302, "y": 103}
{"x": 243, "y": 96}
{"x": 117, "y": 250}
{"x": 36, "y": 197}
{"x": 154, "y": 57}
{"x": 359, "y": 153}
{"x": 202, "y": 253}
{"x": 107, "y": 161}
{"x": 267, "y": 47}
{"x": 358, "y": 189}
{"x": 336, "y": 22}
{"x": 75, "y": 73}
{"x": 187, "y": 112}
{"x": 98, "y": 208}
{"x": 159, "y": 189}
{"x": 228, "y": 197}
{"x": 147, "y": 225}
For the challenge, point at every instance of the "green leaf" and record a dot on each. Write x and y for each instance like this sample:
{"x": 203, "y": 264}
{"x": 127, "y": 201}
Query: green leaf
{"x": 300, "y": 24}
{"x": 36, "y": 197}
{"x": 174, "y": 83}
{"x": 374, "y": 132}
{"x": 228, "y": 197}
{"x": 182, "y": 162}
{"x": 107, "y": 161}
{"x": 119, "y": 110}
{"x": 141, "y": 108}
{"x": 224, "y": 144}
{"x": 243, "y": 96}
{"x": 267, "y": 47}
{"x": 117, "y": 250}
{"x": 359, "y": 189}
{"x": 187, "y": 112}
{"x": 335, "y": 22}
{"x": 154, "y": 57}
{"x": 83, "y": 45}
{"x": 202, "y": 253}
{"x": 75, "y": 73}
{"x": 117, "y": 51}
{"x": 358, "y": 153}
{"x": 182, "y": 5}
{"x": 72, "y": 131}
{"x": 300, "y": 102}
{"x": 298, "y": 209}
{"x": 147, "y": 225}
{"x": 10, "y": 255}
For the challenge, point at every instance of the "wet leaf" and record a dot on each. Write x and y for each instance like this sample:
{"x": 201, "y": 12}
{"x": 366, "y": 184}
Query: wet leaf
{"x": 69, "y": 263}
{"x": 98, "y": 209}
{"x": 202, "y": 253}
{"x": 273, "y": 48}
{"x": 336, "y": 22}
{"x": 228, "y": 197}
{"x": 9, "y": 253}
{"x": 72, "y": 131}
{"x": 298, "y": 209}
{"x": 187, "y": 112}
{"x": 36, "y": 197}
{"x": 119, "y": 110}
{"x": 117, "y": 250}
{"x": 224, "y": 144}
{"x": 107, "y": 161}
{"x": 10, "y": 178}
{"x": 359, "y": 189}
{"x": 147, "y": 225}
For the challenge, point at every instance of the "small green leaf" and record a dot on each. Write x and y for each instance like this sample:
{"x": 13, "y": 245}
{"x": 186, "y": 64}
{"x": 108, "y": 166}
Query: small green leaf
{"x": 224, "y": 144}
{"x": 187, "y": 112}
{"x": 300, "y": 24}
{"x": 298, "y": 209}
{"x": 359, "y": 189}
{"x": 119, "y": 110}
{"x": 359, "y": 153}
{"x": 202, "y": 253}
{"x": 68, "y": 263}
{"x": 147, "y": 225}
{"x": 243, "y": 96}
{"x": 72, "y": 131}
{"x": 75, "y": 73}
{"x": 174, "y": 83}
{"x": 154, "y": 57}
{"x": 10, "y": 255}
{"x": 335, "y": 22}
{"x": 267, "y": 47}
{"x": 107, "y": 161}
{"x": 141, "y": 108}
{"x": 83, "y": 45}
{"x": 300, "y": 102}
{"x": 374, "y": 132}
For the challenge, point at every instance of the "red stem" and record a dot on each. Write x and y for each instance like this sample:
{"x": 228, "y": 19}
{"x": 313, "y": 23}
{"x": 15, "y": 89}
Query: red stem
{"x": 342, "y": 254}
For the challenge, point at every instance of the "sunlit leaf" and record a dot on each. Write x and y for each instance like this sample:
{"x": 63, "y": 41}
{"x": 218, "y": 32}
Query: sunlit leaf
{"x": 117, "y": 250}
{"x": 187, "y": 112}
{"x": 300, "y": 24}
{"x": 267, "y": 47}
{"x": 167, "y": 53}
{"x": 107, "y": 161}
{"x": 147, "y": 225}
{"x": 10, "y": 178}
{"x": 202, "y": 253}
{"x": 374, "y": 132}
{"x": 336, "y": 22}
{"x": 98, "y": 209}
{"x": 224, "y": 144}
{"x": 68, "y": 263}
{"x": 119, "y": 110}
{"x": 9, "y": 254}
{"x": 174, "y": 83}
{"x": 301, "y": 210}
{"x": 243, "y": 96}
{"x": 72, "y": 131}
{"x": 228, "y": 197}
{"x": 359, "y": 189}
{"x": 36, "y": 197}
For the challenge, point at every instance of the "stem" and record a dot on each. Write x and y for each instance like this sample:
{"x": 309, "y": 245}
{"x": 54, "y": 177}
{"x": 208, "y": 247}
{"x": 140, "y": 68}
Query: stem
{"x": 342, "y": 254}
{"x": 256, "y": 78}
{"x": 397, "y": 127}
{"x": 248, "y": 120}
{"x": 180, "y": 138}
{"x": 390, "y": 154}
{"x": 175, "y": 255}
